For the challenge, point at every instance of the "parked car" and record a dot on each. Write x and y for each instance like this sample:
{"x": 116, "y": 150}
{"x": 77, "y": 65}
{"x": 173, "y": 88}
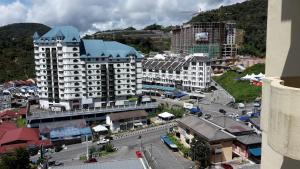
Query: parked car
{"x": 91, "y": 160}
{"x": 222, "y": 111}
{"x": 207, "y": 116}
{"x": 102, "y": 141}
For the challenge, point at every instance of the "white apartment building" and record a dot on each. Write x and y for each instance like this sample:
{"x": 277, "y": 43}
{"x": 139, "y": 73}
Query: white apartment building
{"x": 74, "y": 73}
{"x": 190, "y": 73}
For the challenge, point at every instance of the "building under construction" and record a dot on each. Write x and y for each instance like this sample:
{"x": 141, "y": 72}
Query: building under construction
{"x": 215, "y": 38}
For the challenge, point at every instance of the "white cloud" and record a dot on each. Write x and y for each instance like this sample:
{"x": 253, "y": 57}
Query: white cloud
{"x": 91, "y": 15}
{"x": 13, "y": 12}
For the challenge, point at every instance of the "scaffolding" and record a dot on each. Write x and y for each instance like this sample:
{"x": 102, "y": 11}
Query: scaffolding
{"x": 213, "y": 50}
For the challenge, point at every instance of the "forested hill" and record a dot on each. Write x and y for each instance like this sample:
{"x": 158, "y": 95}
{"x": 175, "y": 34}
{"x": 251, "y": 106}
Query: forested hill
{"x": 16, "y": 50}
{"x": 251, "y": 16}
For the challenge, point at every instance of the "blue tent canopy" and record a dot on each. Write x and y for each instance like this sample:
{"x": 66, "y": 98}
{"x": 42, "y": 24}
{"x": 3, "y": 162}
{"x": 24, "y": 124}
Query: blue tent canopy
{"x": 244, "y": 118}
{"x": 179, "y": 95}
{"x": 195, "y": 110}
{"x": 69, "y": 132}
{"x": 255, "y": 151}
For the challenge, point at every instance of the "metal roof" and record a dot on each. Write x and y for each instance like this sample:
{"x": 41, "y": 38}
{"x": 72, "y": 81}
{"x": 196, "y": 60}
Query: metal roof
{"x": 232, "y": 126}
{"x": 100, "y": 48}
{"x": 70, "y": 34}
{"x": 205, "y": 129}
{"x": 127, "y": 115}
{"x": 249, "y": 139}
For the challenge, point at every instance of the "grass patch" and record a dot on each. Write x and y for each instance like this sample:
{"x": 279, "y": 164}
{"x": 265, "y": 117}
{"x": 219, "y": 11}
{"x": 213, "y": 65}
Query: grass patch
{"x": 21, "y": 122}
{"x": 242, "y": 91}
{"x": 181, "y": 147}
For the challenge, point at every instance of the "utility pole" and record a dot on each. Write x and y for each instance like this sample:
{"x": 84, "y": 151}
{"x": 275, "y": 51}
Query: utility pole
{"x": 87, "y": 147}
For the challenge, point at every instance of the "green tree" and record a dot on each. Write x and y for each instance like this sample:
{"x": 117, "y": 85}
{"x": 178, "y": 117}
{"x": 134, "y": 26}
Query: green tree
{"x": 200, "y": 151}
{"x": 19, "y": 159}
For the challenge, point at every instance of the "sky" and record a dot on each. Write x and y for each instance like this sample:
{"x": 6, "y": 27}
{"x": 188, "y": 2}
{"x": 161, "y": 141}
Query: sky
{"x": 93, "y": 15}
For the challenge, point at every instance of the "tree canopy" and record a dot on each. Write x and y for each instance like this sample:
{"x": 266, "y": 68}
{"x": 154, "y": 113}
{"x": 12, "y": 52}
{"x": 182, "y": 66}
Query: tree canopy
{"x": 16, "y": 50}
{"x": 200, "y": 151}
{"x": 19, "y": 159}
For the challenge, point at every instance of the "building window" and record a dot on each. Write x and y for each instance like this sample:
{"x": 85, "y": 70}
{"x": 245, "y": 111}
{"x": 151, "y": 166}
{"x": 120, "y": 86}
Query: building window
{"x": 89, "y": 66}
{"x": 128, "y": 91}
{"x": 90, "y": 94}
{"x": 77, "y": 89}
{"x": 118, "y": 65}
{"x": 75, "y": 49}
{"x": 76, "y": 84}
{"x": 118, "y": 70}
{"x": 75, "y": 66}
{"x": 119, "y": 92}
{"x": 119, "y": 81}
{"x": 75, "y": 54}
{"x": 90, "y": 88}
{"x": 76, "y": 78}
{"x": 90, "y": 77}
{"x": 76, "y": 72}
{"x": 89, "y": 71}
{"x": 75, "y": 60}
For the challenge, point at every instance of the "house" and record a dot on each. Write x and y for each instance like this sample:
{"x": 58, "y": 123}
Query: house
{"x": 21, "y": 137}
{"x": 126, "y": 120}
{"x": 220, "y": 140}
{"x": 247, "y": 143}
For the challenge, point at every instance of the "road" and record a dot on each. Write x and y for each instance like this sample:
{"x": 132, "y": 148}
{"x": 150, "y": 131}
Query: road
{"x": 127, "y": 145}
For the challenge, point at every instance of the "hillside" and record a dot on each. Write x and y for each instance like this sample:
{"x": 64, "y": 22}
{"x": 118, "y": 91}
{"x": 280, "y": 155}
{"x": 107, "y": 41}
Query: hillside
{"x": 251, "y": 16}
{"x": 242, "y": 91}
{"x": 16, "y": 50}
{"x": 152, "y": 38}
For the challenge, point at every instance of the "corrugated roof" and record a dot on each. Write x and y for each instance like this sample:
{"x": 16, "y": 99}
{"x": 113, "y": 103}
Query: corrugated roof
{"x": 205, "y": 129}
{"x": 232, "y": 126}
{"x": 249, "y": 139}
{"x": 127, "y": 115}
{"x": 20, "y": 134}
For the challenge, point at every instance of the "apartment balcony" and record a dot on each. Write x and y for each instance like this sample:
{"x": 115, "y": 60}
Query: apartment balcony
{"x": 281, "y": 115}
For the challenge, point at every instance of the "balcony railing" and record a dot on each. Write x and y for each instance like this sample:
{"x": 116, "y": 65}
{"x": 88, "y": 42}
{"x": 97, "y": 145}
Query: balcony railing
{"x": 281, "y": 115}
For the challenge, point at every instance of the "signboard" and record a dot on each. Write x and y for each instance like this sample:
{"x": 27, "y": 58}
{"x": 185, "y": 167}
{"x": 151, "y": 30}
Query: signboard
{"x": 201, "y": 36}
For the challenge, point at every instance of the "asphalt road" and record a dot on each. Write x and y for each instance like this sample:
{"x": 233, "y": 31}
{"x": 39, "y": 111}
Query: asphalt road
{"x": 127, "y": 145}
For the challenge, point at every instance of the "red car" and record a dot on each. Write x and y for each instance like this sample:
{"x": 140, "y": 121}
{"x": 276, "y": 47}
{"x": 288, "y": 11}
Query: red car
{"x": 91, "y": 160}
{"x": 227, "y": 166}
{"x": 138, "y": 154}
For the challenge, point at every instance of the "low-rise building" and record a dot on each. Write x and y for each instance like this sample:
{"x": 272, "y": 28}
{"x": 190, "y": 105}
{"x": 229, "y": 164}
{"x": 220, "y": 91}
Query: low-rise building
{"x": 190, "y": 73}
{"x": 126, "y": 120}
{"x": 247, "y": 143}
{"x": 220, "y": 140}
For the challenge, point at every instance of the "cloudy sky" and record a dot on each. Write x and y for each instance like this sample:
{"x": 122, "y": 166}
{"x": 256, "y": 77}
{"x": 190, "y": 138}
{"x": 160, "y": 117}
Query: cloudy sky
{"x": 91, "y": 15}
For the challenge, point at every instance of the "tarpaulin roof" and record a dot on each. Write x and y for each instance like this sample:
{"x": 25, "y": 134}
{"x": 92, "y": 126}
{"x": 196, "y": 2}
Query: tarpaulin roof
{"x": 195, "y": 110}
{"x": 255, "y": 151}
{"x": 69, "y": 132}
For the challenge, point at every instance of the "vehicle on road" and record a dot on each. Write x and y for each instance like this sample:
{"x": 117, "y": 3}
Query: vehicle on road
{"x": 102, "y": 141}
{"x": 222, "y": 111}
{"x": 207, "y": 116}
{"x": 165, "y": 139}
{"x": 91, "y": 160}
{"x": 198, "y": 91}
{"x": 241, "y": 105}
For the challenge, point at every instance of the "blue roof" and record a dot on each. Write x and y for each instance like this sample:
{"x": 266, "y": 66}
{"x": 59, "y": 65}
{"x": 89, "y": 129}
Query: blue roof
{"x": 100, "y": 48}
{"x": 70, "y": 34}
{"x": 69, "y": 132}
{"x": 244, "y": 118}
{"x": 255, "y": 151}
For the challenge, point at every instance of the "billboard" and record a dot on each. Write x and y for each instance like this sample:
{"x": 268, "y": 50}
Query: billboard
{"x": 201, "y": 36}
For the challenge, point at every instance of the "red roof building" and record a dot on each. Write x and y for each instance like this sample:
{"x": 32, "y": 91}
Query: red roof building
{"x": 21, "y": 137}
